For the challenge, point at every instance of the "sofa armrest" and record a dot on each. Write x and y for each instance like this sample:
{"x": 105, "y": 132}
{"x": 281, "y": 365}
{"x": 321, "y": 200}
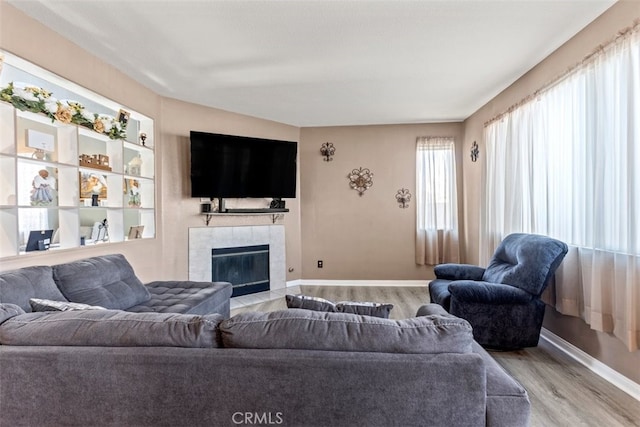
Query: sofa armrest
{"x": 458, "y": 272}
{"x": 488, "y": 293}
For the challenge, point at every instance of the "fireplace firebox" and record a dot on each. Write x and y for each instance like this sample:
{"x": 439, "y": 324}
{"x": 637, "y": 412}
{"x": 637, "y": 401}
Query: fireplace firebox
{"x": 245, "y": 267}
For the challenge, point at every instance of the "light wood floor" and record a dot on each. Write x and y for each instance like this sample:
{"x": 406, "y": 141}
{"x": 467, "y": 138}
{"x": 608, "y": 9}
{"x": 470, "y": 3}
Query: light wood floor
{"x": 562, "y": 392}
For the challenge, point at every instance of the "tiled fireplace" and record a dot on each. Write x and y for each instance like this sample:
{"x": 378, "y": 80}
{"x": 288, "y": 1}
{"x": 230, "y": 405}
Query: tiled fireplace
{"x": 203, "y": 240}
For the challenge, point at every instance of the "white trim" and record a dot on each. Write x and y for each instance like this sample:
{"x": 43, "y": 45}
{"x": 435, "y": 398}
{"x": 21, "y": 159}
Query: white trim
{"x": 319, "y": 282}
{"x": 617, "y": 379}
{"x": 292, "y": 283}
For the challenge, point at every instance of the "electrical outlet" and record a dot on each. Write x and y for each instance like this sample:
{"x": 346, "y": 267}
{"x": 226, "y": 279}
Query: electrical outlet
{"x": 320, "y": 264}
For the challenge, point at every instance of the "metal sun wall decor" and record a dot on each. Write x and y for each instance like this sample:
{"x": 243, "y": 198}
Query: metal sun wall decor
{"x": 403, "y": 197}
{"x": 475, "y": 151}
{"x": 360, "y": 180}
{"x": 327, "y": 150}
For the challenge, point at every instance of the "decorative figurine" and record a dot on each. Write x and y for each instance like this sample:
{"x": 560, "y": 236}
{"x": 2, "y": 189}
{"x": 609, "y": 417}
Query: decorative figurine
{"x": 43, "y": 191}
{"x": 134, "y": 167}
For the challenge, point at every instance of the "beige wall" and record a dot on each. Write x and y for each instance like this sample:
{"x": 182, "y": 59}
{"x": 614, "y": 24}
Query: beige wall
{"x": 369, "y": 236}
{"x": 602, "y": 346}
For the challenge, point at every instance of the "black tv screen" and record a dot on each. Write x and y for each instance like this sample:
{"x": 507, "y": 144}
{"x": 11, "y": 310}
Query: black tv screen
{"x": 226, "y": 166}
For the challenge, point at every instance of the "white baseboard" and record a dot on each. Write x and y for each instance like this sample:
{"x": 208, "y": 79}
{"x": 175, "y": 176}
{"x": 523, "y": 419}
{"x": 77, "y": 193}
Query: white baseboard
{"x": 319, "y": 282}
{"x": 617, "y": 379}
{"x": 293, "y": 283}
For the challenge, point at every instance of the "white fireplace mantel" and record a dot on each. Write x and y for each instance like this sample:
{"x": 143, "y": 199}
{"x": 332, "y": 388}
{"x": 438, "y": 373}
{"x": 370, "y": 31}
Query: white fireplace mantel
{"x": 203, "y": 239}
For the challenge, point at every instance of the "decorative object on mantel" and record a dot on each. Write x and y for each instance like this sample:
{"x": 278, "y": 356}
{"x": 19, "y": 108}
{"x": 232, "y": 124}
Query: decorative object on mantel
{"x": 143, "y": 138}
{"x": 360, "y": 180}
{"x": 403, "y": 197}
{"x": 26, "y": 97}
{"x": 327, "y": 150}
{"x": 475, "y": 151}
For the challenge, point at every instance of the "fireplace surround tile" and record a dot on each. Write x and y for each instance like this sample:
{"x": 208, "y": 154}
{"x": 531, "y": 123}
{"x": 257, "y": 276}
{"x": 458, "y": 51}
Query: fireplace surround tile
{"x": 203, "y": 239}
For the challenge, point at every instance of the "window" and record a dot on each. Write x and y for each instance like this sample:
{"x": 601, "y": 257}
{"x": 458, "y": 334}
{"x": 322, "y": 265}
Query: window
{"x": 565, "y": 164}
{"x": 436, "y": 198}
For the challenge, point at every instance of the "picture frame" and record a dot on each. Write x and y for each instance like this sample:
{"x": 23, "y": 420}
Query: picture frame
{"x": 123, "y": 117}
{"x": 135, "y": 232}
{"x": 92, "y": 183}
{"x": 40, "y": 140}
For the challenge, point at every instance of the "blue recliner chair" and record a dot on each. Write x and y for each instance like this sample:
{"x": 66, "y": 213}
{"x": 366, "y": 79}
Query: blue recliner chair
{"x": 502, "y": 302}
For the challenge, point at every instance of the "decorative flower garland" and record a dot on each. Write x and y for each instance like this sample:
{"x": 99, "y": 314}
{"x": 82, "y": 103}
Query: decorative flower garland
{"x": 38, "y": 100}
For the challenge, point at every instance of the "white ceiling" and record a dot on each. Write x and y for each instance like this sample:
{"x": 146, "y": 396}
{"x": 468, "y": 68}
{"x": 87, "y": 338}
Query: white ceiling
{"x": 323, "y": 63}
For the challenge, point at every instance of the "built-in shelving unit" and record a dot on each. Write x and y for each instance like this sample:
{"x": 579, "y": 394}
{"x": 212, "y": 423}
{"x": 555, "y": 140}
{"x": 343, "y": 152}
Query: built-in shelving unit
{"x": 69, "y": 178}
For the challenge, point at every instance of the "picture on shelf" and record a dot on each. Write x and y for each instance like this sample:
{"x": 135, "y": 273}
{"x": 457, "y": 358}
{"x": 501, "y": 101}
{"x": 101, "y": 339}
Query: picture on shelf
{"x": 132, "y": 189}
{"x": 92, "y": 184}
{"x": 123, "y": 117}
{"x": 40, "y": 140}
{"x": 135, "y": 232}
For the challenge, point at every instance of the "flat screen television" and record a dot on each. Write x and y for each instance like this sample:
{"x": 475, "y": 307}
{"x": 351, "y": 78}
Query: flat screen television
{"x": 226, "y": 166}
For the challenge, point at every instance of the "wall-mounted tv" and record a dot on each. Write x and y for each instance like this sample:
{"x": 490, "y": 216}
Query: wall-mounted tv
{"x": 227, "y": 166}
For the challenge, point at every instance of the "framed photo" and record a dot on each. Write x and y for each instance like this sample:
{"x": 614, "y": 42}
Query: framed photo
{"x": 92, "y": 183}
{"x": 135, "y": 232}
{"x": 123, "y": 117}
{"x": 40, "y": 140}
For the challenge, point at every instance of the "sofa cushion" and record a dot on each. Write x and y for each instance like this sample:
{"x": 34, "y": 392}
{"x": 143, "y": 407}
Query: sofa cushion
{"x": 111, "y": 328}
{"x": 49, "y": 305}
{"x": 315, "y": 330}
{"x": 18, "y": 286}
{"x": 107, "y": 281}
{"x": 374, "y": 309}
{"x": 320, "y": 304}
{"x": 7, "y": 311}
{"x": 186, "y": 297}
{"x": 309, "y": 303}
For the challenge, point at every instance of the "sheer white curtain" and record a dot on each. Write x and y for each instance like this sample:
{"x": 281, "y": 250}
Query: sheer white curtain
{"x": 567, "y": 165}
{"x": 436, "y": 200}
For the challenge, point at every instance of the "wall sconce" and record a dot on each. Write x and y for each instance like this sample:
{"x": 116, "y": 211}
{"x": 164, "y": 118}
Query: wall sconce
{"x": 403, "y": 197}
{"x": 475, "y": 151}
{"x": 360, "y": 180}
{"x": 327, "y": 150}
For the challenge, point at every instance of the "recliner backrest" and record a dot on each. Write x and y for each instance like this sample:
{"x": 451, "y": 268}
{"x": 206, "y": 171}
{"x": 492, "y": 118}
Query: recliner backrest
{"x": 526, "y": 261}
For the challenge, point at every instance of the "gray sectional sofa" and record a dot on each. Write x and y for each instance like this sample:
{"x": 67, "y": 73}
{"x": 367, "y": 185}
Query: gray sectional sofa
{"x": 109, "y": 367}
{"x": 109, "y": 281}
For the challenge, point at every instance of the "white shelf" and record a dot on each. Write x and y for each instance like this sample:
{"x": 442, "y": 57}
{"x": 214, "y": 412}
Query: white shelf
{"x": 129, "y": 198}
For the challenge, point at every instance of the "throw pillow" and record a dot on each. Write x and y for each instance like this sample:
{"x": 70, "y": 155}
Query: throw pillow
{"x": 321, "y": 304}
{"x": 315, "y": 330}
{"x": 309, "y": 303}
{"x": 365, "y": 308}
{"x": 111, "y": 328}
{"x": 7, "y": 311}
{"x": 38, "y": 304}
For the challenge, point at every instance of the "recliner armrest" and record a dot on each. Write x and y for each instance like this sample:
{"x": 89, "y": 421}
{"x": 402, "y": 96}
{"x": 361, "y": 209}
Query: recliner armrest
{"x": 488, "y": 293}
{"x": 458, "y": 272}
